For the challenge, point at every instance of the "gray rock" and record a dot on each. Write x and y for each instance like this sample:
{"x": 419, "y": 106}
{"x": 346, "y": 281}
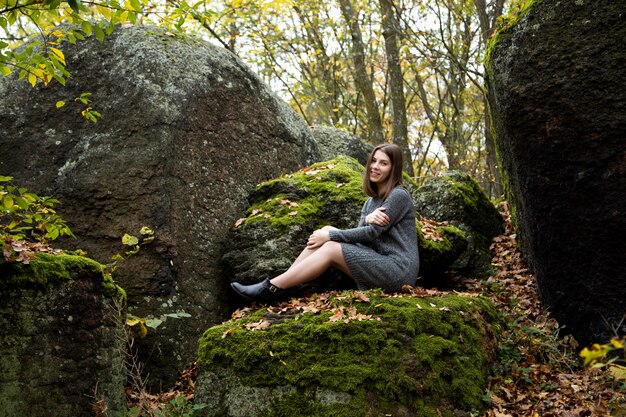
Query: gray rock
{"x": 334, "y": 142}
{"x": 187, "y": 130}
{"x": 457, "y": 198}
{"x": 556, "y": 89}
{"x": 63, "y": 341}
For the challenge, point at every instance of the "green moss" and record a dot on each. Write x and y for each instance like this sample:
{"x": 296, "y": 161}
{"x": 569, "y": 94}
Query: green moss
{"x": 504, "y": 25}
{"x": 414, "y": 353}
{"x": 50, "y": 269}
{"x": 302, "y": 197}
{"x": 453, "y": 242}
{"x": 112, "y": 290}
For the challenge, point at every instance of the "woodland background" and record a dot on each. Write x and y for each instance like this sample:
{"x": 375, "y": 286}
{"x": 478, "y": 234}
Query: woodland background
{"x": 410, "y": 72}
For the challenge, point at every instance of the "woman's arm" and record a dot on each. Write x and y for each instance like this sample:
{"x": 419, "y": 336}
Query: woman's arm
{"x": 396, "y": 207}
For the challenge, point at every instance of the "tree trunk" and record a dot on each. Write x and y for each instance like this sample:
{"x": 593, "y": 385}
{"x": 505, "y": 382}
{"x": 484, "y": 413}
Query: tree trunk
{"x": 400, "y": 132}
{"x": 361, "y": 78}
{"x": 487, "y": 26}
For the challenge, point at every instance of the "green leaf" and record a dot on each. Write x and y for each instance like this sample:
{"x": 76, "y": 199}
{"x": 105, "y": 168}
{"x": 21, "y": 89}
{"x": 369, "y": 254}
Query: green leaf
{"x": 12, "y": 17}
{"x": 129, "y": 240}
{"x": 153, "y": 323}
{"x": 5, "y": 71}
{"x": 179, "y": 315}
{"x": 5, "y": 179}
{"x": 74, "y": 5}
{"x": 135, "y": 5}
{"x": 8, "y": 201}
{"x": 22, "y": 203}
{"x": 53, "y": 234}
{"x": 60, "y": 104}
{"x": 97, "y": 30}
{"x": 3, "y": 23}
{"x": 86, "y": 27}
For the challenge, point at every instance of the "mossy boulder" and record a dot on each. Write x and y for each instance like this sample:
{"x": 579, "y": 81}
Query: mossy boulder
{"x": 354, "y": 354}
{"x": 438, "y": 255}
{"x": 334, "y": 142}
{"x": 62, "y": 344}
{"x": 456, "y": 198}
{"x": 283, "y": 212}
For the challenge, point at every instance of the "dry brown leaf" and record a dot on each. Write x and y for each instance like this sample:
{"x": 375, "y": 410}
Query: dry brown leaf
{"x": 338, "y": 315}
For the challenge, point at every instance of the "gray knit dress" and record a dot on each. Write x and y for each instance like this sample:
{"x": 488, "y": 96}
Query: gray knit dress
{"x": 383, "y": 257}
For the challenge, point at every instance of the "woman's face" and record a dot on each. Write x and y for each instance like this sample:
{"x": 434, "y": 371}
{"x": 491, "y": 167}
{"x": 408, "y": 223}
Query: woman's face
{"x": 380, "y": 167}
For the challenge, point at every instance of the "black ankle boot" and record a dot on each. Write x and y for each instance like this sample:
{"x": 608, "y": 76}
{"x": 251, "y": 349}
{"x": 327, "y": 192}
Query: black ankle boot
{"x": 263, "y": 291}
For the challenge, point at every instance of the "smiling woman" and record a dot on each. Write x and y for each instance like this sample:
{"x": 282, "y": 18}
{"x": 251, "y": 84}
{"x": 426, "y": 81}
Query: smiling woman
{"x": 381, "y": 252}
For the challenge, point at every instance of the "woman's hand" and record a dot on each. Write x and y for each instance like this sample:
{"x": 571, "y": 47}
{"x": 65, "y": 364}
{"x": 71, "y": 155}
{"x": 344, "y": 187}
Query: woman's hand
{"x": 318, "y": 238}
{"x": 378, "y": 217}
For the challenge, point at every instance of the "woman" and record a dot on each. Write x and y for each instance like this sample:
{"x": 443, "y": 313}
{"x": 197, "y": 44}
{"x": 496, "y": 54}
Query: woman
{"x": 380, "y": 253}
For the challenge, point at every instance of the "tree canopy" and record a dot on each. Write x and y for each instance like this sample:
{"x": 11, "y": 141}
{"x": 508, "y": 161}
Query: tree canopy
{"x": 408, "y": 72}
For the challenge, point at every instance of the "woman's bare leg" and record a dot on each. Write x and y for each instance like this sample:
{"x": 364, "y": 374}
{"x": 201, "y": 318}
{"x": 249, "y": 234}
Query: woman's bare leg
{"x": 311, "y": 264}
{"x": 306, "y": 252}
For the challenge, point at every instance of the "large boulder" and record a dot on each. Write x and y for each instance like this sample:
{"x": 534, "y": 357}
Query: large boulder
{"x": 456, "y": 198}
{"x": 556, "y": 90}
{"x": 187, "y": 130}
{"x": 63, "y": 341}
{"x": 355, "y": 354}
{"x": 334, "y": 142}
{"x": 284, "y": 211}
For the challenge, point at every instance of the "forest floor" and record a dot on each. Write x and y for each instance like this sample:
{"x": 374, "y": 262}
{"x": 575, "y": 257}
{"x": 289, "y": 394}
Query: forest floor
{"x": 540, "y": 373}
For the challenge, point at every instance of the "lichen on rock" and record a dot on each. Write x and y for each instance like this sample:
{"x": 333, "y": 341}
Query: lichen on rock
{"x": 396, "y": 355}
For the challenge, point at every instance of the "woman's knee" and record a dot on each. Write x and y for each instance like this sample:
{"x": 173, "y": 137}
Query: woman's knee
{"x": 333, "y": 249}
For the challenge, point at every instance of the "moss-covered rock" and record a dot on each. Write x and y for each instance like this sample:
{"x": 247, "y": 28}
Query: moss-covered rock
{"x": 62, "y": 337}
{"x": 438, "y": 256}
{"x": 285, "y": 211}
{"x": 457, "y": 198}
{"x": 401, "y": 356}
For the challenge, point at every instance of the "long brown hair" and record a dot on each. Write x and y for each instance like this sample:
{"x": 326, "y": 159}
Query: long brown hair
{"x": 395, "y": 176}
